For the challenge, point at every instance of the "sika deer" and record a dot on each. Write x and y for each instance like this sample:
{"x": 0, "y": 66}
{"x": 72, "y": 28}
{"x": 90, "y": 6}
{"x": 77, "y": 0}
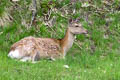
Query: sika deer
{"x": 31, "y": 48}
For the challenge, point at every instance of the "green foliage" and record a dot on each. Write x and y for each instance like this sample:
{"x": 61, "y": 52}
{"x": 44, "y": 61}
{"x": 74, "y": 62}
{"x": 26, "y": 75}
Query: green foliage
{"x": 3, "y": 4}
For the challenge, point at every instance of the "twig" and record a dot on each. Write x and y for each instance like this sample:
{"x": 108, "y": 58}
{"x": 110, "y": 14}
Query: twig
{"x": 78, "y": 45}
{"x": 34, "y": 10}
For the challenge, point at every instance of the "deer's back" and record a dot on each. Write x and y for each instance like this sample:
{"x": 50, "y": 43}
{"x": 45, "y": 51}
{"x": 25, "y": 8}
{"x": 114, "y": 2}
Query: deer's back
{"x": 32, "y": 45}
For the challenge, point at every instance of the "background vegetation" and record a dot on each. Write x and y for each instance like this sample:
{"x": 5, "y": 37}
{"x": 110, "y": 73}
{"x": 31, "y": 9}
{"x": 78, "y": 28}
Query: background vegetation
{"x": 96, "y": 57}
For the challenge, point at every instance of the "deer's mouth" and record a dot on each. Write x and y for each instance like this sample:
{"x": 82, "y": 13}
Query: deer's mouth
{"x": 86, "y": 34}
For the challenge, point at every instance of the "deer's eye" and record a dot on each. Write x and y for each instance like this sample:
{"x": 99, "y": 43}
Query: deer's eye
{"x": 76, "y": 26}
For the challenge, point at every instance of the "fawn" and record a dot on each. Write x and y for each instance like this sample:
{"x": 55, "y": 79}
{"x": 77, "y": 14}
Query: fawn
{"x": 33, "y": 49}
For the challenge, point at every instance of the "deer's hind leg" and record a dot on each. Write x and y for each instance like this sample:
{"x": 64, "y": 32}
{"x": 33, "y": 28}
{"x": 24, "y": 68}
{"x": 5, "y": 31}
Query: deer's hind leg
{"x": 24, "y": 59}
{"x": 35, "y": 57}
{"x": 30, "y": 56}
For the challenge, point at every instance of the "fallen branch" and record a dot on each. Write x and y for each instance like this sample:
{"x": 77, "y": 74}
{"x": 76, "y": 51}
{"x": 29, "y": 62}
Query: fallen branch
{"x": 34, "y": 11}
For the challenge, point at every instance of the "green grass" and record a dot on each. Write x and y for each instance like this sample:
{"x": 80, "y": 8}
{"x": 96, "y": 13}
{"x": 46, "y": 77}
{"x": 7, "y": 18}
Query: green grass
{"x": 84, "y": 64}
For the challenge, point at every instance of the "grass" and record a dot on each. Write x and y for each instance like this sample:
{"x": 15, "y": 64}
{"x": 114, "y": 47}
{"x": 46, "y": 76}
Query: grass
{"x": 84, "y": 64}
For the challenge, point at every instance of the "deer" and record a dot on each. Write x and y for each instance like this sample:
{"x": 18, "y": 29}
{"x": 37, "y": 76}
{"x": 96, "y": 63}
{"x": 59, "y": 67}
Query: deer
{"x": 33, "y": 49}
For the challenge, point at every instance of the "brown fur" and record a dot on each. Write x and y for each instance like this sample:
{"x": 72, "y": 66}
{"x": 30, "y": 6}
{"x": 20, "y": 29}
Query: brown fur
{"x": 48, "y": 47}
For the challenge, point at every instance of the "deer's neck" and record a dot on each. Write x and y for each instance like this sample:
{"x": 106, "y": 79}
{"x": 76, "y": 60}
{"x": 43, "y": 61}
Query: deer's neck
{"x": 67, "y": 41}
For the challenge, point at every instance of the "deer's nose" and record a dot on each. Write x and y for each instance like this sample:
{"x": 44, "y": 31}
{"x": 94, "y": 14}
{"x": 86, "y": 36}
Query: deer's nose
{"x": 86, "y": 31}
